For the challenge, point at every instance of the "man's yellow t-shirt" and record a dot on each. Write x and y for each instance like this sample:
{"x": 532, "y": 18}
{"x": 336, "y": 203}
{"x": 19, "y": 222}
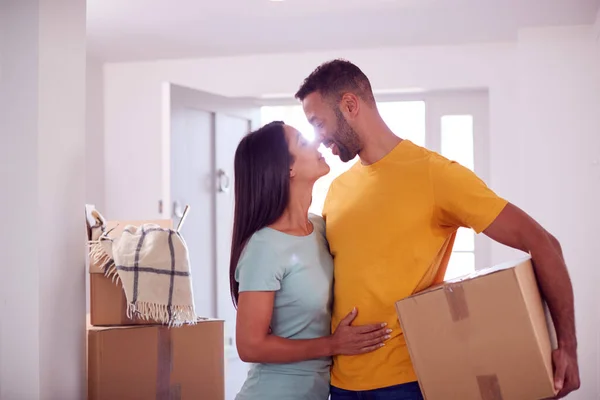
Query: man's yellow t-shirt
{"x": 391, "y": 226}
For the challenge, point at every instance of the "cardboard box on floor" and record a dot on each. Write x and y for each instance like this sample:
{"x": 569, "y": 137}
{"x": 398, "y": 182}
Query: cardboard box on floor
{"x": 108, "y": 304}
{"x": 157, "y": 362}
{"x": 482, "y": 337}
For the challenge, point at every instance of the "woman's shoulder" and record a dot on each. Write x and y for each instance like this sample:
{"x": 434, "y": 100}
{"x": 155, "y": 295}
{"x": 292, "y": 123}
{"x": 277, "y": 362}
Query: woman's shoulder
{"x": 257, "y": 251}
{"x": 318, "y": 222}
{"x": 259, "y": 245}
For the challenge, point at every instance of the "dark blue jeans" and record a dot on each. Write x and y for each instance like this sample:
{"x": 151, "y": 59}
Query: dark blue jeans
{"x": 406, "y": 391}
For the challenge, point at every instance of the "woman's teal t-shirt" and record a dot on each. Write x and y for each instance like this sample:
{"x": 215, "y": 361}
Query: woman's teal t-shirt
{"x": 299, "y": 269}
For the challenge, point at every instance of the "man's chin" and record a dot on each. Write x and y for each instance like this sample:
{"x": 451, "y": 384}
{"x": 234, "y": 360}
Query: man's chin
{"x": 346, "y": 158}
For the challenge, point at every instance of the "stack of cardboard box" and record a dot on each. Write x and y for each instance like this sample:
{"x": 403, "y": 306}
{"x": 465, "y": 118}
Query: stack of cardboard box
{"x": 141, "y": 359}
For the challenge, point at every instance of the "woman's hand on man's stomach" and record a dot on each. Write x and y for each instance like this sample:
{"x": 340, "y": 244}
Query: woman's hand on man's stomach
{"x": 353, "y": 340}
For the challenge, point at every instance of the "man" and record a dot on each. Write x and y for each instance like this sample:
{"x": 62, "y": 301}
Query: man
{"x": 391, "y": 222}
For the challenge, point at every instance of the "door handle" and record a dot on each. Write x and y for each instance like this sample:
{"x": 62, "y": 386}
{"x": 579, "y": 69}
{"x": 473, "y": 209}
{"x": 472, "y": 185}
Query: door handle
{"x": 223, "y": 181}
{"x": 177, "y": 210}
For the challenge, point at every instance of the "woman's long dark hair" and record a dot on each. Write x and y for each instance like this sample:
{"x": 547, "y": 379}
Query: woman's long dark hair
{"x": 262, "y": 188}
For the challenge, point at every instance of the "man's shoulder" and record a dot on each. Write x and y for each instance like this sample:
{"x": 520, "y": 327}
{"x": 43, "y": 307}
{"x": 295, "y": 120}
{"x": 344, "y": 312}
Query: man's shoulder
{"x": 348, "y": 176}
{"x": 420, "y": 158}
{"x": 413, "y": 152}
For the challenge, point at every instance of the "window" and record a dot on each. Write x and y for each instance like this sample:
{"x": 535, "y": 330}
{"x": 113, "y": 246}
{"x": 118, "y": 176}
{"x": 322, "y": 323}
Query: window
{"x": 405, "y": 118}
{"x": 444, "y": 123}
{"x": 291, "y": 115}
{"x": 457, "y": 145}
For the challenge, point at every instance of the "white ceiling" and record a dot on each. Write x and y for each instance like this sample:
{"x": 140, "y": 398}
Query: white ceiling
{"x": 127, "y": 30}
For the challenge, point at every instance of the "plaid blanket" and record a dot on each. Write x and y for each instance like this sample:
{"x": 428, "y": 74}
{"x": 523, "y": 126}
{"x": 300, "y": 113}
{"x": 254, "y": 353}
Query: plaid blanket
{"x": 152, "y": 263}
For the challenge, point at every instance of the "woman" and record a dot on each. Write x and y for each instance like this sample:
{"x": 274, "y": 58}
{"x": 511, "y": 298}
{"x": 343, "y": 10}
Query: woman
{"x": 281, "y": 271}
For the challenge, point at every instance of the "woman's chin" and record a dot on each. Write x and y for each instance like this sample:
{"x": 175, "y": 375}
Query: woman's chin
{"x": 325, "y": 170}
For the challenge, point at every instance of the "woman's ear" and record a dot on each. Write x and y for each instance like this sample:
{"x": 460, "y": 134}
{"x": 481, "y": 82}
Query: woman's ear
{"x": 292, "y": 172}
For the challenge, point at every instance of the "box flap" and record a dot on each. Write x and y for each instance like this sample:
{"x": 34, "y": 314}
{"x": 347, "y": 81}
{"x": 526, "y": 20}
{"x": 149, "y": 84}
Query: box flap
{"x": 105, "y": 328}
{"x": 475, "y": 274}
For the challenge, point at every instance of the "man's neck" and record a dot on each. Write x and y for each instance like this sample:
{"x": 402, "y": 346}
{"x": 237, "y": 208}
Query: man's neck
{"x": 378, "y": 143}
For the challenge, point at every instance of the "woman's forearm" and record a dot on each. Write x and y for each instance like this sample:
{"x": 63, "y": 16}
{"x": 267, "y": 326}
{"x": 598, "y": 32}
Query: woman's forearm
{"x": 277, "y": 350}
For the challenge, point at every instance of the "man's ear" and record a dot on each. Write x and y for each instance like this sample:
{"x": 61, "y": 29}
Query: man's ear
{"x": 350, "y": 104}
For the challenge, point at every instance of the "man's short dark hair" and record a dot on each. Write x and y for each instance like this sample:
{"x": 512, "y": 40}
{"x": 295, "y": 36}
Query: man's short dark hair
{"x": 334, "y": 78}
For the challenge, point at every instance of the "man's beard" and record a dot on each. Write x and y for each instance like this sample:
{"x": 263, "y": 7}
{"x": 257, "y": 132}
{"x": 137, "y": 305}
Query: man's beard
{"x": 346, "y": 139}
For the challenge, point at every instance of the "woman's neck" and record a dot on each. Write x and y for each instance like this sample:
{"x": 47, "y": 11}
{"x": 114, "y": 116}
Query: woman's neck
{"x": 294, "y": 219}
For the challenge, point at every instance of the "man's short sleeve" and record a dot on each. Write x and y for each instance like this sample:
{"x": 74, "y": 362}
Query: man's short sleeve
{"x": 462, "y": 199}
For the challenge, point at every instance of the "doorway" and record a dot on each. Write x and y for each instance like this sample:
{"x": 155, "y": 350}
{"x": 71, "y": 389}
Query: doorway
{"x": 204, "y": 131}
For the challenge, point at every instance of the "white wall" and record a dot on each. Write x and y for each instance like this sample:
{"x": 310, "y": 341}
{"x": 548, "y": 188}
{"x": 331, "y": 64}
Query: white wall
{"x": 42, "y": 161}
{"x": 597, "y": 27}
{"x": 544, "y": 115}
{"x": 560, "y": 137}
{"x": 133, "y": 100}
{"x": 94, "y": 144}
{"x": 19, "y": 210}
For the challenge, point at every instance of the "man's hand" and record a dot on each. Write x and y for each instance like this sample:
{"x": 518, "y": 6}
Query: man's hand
{"x": 514, "y": 228}
{"x": 566, "y": 371}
